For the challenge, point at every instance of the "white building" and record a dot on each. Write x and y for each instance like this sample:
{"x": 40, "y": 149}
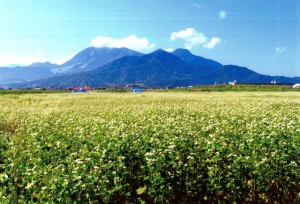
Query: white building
{"x": 232, "y": 82}
{"x": 296, "y": 86}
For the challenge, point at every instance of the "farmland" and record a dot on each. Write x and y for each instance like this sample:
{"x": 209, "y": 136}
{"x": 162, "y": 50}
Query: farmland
{"x": 151, "y": 147}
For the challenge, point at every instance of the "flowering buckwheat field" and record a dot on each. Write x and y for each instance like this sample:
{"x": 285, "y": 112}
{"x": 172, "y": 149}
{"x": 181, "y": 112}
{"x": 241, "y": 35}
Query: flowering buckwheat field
{"x": 150, "y": 148}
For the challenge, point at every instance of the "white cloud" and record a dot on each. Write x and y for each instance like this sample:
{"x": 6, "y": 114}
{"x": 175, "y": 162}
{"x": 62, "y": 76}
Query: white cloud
{"x": 192, "y": 38}
{"x": 22, "y": 60}
{"x": 212, "y": 43}
{"x": 30, "y": 59}
{"x": 278, "y": 51}
{"x": 131, "y": 42}
{"x": 169, "y": 49}
{"x": 63, "y": 60}
{"x": 222, "y": 14}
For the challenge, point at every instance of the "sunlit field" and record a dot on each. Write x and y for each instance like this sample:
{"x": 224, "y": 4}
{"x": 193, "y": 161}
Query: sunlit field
{"x": 150, "y": 147}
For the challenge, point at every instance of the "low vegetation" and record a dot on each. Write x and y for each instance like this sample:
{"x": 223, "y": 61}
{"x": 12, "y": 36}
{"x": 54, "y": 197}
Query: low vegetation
{"x": 245, "y": 87}
{"x": 150, "y": 147}
{"x": 26, "y": 91}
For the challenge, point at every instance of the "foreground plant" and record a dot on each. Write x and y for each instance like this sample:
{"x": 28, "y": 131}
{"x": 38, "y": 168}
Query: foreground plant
{"x": 151, "y": 147}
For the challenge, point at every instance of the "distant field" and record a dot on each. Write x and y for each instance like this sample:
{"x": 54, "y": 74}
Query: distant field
{"x": 208, "y": 88}
{"x": 25, "y": 91}
{"x": 152, "y": 147}
{"x": 245, "y": 87}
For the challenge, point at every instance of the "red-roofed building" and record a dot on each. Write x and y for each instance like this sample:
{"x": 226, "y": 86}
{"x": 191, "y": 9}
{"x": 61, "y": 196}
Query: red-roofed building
{"x": 87, "y": 88}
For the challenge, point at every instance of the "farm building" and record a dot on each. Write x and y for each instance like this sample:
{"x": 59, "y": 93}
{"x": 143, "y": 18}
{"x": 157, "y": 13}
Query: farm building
{"x": 232, "y": 82}
{"x": 296, "y": 86}
{"x": 81, "y": 89}
{"x": 137, "y": 90}
{"x": 135, "y": 85}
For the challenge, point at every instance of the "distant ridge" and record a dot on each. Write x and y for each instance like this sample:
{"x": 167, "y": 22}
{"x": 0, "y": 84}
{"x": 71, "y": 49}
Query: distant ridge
{"x": 85, "y": 60}
{"x": 206, "y": 65}
{"x": 156, "y": 69}
{"x": 43, "y": 65}
{"x": 92, "y": 57}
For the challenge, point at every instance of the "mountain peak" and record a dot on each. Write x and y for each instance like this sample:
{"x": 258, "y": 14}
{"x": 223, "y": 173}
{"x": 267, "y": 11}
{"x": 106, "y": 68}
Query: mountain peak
{"x": 102, "y": 66}
{"x": 181, "y": 51}
{"x": 162, "y": 55}
{"x": 108, "y": 48}
{"x": 160, "y": 51}
{"x": 43, "y": 65}
{"x": 195, "y": 60}
{"x": 93, "y": 57}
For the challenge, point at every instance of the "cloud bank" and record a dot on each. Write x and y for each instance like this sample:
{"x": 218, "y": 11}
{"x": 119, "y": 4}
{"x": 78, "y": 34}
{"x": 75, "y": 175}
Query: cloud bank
{"x": 130, "y": 42}
{"x": 22, "y": 60}
{"x": 212, "y": 43}
{"x": 169, "y": 49}
{"x": 192, "y": 38}
{"x": 63, "y": 60}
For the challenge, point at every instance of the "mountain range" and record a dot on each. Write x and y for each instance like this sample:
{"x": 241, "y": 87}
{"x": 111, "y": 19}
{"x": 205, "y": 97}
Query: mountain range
{"x": 100, "y": 67}
{"x": 85, "y": 60}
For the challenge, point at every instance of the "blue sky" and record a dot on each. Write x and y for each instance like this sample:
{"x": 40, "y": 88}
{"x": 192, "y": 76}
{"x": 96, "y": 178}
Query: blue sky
{"x": 261, "y": 35}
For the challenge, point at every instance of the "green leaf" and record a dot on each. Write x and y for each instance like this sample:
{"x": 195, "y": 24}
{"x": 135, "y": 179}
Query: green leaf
{"x": 141, "y": 190}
